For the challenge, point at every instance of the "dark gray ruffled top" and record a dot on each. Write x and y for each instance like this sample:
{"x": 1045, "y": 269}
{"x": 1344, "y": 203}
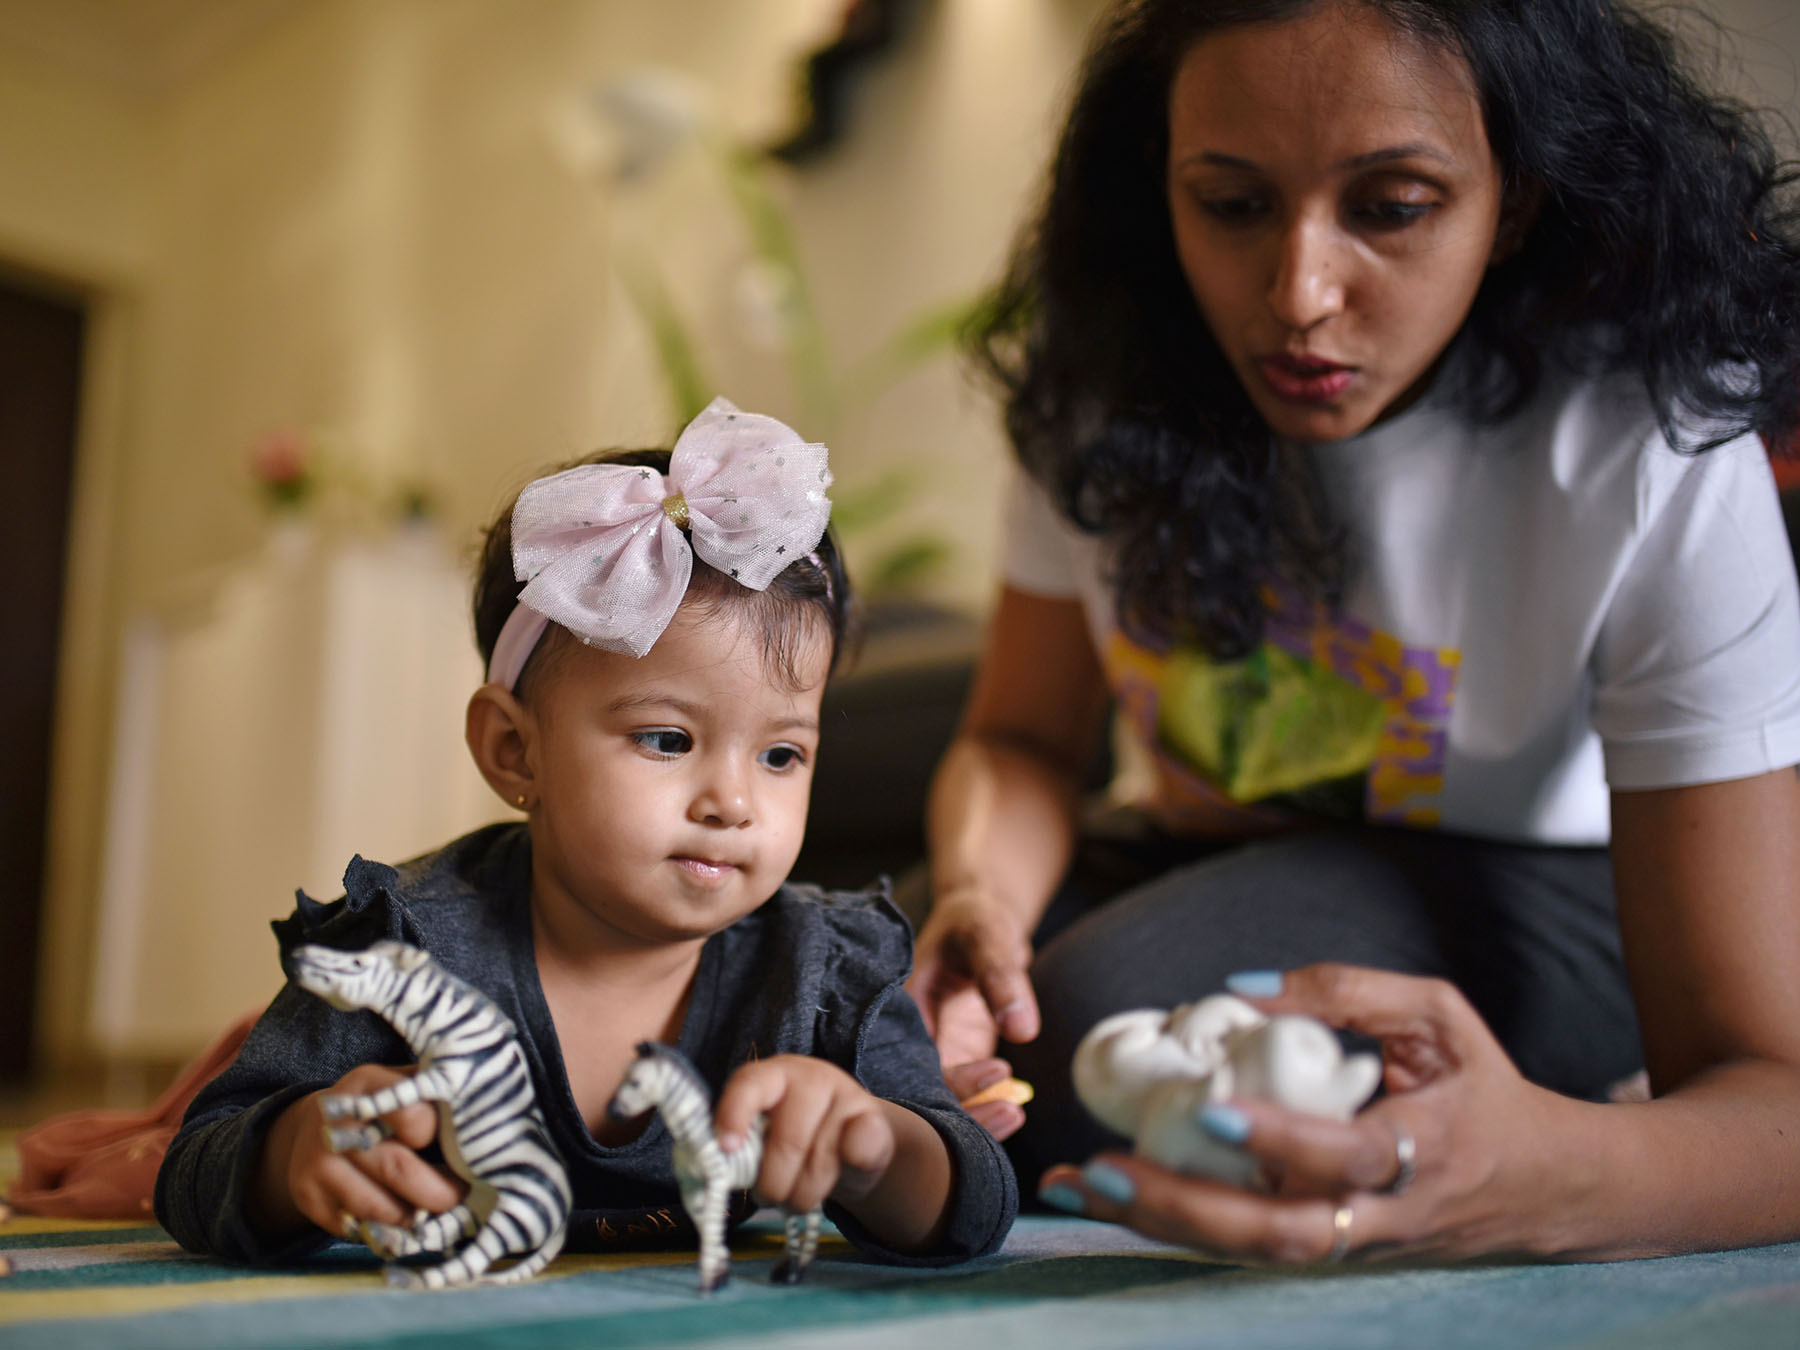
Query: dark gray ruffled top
{"x": 810, "y": 973}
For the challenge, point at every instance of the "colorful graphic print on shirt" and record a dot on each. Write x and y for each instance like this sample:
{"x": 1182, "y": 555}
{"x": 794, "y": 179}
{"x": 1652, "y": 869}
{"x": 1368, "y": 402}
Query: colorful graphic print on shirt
{"x": 1327, "y": 717}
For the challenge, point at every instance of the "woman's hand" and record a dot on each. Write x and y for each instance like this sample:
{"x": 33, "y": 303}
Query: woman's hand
{"x": 300, "y": 1177}
{"x": 969, "y": 977}
{"x": 1486, "y": 1174}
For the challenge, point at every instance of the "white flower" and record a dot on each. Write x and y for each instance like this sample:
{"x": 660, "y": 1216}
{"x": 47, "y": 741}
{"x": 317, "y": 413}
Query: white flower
{"x": 627, "y": 128}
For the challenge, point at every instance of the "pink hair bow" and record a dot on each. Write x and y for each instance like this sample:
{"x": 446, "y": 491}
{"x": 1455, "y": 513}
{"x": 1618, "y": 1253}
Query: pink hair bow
{"x": 602, "y": 546}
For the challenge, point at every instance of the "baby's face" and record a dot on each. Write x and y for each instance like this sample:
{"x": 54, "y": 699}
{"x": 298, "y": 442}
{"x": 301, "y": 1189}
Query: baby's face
{"x": 673, "y": 787}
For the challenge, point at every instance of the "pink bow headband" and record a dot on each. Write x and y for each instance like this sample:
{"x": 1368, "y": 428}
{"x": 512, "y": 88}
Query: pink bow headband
{"x": 604, "y": 551}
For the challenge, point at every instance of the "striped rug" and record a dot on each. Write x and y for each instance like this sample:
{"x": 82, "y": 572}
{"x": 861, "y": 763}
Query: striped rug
{"x": 1059, "y": 1282}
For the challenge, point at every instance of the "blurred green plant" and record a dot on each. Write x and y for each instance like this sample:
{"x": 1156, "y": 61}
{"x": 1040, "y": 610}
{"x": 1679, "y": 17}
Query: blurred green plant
{"x": 887, "y": 566}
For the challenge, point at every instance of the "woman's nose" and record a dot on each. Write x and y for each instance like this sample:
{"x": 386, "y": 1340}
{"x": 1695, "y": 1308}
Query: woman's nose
{"x": 722, "y": 798}
{"x": 1309, "y": 275}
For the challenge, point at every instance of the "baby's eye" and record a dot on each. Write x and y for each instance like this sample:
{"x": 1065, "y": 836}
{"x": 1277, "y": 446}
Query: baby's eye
{"x": 781, "y": 758}
{"x": 667, "y": 742}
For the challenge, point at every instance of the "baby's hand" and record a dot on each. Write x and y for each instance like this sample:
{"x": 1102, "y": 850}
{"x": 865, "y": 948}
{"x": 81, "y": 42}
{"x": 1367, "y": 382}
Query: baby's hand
{"x": 826, "y": 1135}
{"x": 300, "y": 1176}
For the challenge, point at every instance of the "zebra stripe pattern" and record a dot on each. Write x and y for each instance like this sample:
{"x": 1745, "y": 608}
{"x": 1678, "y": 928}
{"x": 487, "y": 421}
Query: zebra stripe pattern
{"x": 490, "y": 1129}
{"x": 661, "y": 1077}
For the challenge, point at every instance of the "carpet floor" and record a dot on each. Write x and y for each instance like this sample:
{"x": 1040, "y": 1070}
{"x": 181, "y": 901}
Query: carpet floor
{"x": 1058, "y": 1282}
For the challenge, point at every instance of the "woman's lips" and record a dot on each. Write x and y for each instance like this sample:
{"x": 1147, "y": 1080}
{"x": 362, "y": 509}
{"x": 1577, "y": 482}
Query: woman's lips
{"x": 1302, "y": 379}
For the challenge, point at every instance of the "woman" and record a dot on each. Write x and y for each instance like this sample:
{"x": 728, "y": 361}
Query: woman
{"x": 1360, "y": 365}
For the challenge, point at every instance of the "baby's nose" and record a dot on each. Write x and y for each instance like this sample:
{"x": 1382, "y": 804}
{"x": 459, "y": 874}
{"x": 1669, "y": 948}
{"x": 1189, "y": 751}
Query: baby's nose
{"x": 723, "y": 800}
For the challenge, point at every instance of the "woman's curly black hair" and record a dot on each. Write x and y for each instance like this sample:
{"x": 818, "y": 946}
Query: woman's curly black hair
{"x": 811, "y": 594}
{"x": 1664, "y": 244}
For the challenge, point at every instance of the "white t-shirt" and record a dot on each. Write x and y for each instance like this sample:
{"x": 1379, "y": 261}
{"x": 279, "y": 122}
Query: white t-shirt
{"x": 1537, "y": 611}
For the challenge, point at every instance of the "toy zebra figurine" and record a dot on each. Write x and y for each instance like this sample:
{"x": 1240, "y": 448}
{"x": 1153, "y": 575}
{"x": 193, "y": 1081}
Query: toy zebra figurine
{"x": 490, "y": 1129}
{"x": 662, "y": 1077}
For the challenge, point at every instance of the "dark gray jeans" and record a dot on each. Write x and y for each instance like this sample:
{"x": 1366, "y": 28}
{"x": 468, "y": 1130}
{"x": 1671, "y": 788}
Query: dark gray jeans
{"x": 1528, "y": 933}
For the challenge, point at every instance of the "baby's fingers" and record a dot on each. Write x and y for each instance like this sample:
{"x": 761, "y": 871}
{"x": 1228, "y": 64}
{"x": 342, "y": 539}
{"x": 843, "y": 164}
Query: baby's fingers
{"x": 754, "y": 1090}
{"x": 865, "y": 1151}
{"x": 793, "y": 1159}
{"x": 403, "y": 1181}
{"x": 818, "y": 1174}
{"x": 415, "y": 1125}
{"x": 341, "y": 1191}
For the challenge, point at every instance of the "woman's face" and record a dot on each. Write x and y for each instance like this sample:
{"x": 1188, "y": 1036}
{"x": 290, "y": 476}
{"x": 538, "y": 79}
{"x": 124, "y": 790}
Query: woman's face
{"x": 1335, "y": 205}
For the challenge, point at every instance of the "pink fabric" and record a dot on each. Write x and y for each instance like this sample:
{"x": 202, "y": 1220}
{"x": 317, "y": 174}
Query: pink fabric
{"x": 606, "y": 550}
{"x": 519, "y": 637}
{"x": 102, "y": 1164}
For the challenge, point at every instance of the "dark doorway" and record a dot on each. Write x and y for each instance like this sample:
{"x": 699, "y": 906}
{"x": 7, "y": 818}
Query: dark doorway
{"x": 40, "y": 381}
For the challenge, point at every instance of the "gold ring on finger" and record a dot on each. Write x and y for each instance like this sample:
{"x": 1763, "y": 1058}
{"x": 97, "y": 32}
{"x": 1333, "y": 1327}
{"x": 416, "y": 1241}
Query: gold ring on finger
{"x": 1341, "y": 1220}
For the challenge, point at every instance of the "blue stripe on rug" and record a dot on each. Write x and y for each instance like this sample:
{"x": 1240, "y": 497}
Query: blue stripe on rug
{"x": 1059, "y": 1283}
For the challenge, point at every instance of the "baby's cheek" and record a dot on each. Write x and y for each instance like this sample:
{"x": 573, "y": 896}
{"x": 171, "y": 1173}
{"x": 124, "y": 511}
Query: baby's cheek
{"x": 787, "y": 833}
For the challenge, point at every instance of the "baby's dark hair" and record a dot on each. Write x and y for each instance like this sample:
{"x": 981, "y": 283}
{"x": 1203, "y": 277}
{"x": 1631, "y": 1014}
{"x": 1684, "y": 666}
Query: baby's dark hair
{"x": 1664, "y": 245}
{"x": 812, "y": 590}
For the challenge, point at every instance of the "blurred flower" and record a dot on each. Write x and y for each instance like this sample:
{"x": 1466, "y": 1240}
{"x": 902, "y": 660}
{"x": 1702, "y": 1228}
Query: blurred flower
{"x": 295, "y": 471}
{"x": 627, "y": 128}
{"x": 283, "y": 466}
{"x": 767, "y": 299}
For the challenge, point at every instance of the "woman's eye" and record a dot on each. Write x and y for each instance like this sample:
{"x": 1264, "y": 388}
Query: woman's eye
{"x": 1392, "y": 215}
{"x": 1235, "y": 210}
{"x": 781, "y": 757}
{"x": 665, "y": 741}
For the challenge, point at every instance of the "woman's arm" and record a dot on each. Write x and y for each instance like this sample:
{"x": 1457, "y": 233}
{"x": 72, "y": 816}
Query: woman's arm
{"x": 1001, "y": 821}
{"x": 1706, "y": 879}
{"x": 1708, "y": 882}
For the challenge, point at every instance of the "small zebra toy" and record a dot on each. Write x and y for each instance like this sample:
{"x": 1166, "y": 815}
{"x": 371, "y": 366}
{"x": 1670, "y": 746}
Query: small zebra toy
{"x": 490, "y": 1129}
{"x": 662, "y": 1077}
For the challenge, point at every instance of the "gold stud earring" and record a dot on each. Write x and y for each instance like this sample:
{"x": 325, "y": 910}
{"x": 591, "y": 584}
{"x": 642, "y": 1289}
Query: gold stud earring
{"x": 519, "y": 801}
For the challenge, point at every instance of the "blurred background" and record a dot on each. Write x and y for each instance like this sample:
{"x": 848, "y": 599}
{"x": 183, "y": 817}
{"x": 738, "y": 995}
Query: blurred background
{"x": 295, "y": 293}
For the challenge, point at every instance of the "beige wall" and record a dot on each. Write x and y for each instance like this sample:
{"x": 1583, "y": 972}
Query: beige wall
{"x": 356, "y": 221}
{"x": 1758, "y": 46}
{"x": 74, "y": 192}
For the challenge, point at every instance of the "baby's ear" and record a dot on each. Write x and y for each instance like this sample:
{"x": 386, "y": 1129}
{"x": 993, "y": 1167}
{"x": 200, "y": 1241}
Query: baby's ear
{"x": 499, "y": 731}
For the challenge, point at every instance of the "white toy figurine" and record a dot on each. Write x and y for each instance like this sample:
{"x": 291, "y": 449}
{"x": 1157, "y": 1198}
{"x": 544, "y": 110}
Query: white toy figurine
{"x": 1148, "y": 1074}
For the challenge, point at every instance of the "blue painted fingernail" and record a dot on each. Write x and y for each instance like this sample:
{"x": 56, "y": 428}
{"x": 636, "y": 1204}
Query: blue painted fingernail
{"x": 1255, "y": 983}
{"x": 1227, "y": 1124}
{"x": 1110, "y": 1182}
{"x": 1064, "y": 1197}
